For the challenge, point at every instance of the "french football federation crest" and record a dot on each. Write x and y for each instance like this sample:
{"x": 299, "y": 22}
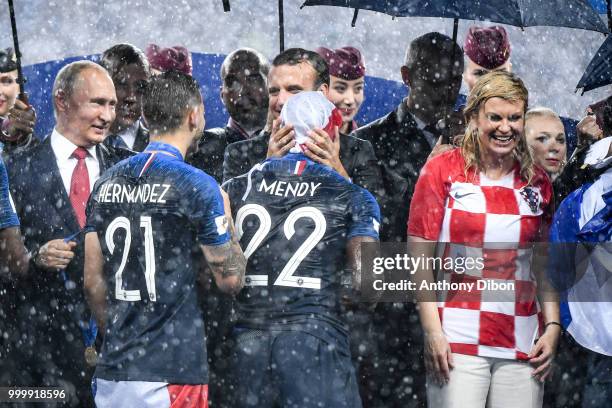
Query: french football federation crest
{"x": 531, "y": 196}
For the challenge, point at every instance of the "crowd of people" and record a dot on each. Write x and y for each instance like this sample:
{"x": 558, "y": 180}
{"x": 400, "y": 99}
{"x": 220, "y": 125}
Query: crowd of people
{"x": 148, "y": 261}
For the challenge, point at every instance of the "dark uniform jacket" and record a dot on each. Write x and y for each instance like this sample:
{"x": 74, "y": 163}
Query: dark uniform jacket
{"x": 356, "y": 156}
{"x": 211, "y": 148}
{"x": 140, "y": 143}
{"x": 401, "y": 149}
{"x": 48, "y": 342}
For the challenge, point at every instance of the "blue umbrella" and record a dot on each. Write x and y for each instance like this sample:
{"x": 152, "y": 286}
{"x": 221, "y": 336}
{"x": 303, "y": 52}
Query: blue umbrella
{"x": 599, "y": 71}
{"x": 521, "y": 13}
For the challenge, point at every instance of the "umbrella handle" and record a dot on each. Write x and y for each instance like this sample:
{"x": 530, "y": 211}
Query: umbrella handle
{"x": 20, "y": 79}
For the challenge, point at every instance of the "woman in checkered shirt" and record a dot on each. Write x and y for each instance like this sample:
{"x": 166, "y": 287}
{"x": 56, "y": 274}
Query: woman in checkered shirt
{"x": 487, "y": 201}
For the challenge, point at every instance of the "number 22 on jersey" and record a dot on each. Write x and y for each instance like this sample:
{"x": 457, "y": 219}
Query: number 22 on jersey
{"x": 286, "y": 277}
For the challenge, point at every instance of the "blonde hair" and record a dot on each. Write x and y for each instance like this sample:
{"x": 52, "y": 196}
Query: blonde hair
{"x": 509, "y": 87}
{"x": 541, "y": 112}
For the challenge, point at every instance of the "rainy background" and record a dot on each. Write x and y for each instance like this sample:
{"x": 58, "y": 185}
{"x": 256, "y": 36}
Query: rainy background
{"x": 550, "y": 60}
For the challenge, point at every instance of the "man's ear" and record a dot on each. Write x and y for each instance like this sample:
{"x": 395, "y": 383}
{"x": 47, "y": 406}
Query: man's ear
{"x": 324, "y": 88}
{"x": 221, "y": 92}
{"x": 192, "y": 117}
{"x": 60, "y": 100}
{"x": 405, "y": 75}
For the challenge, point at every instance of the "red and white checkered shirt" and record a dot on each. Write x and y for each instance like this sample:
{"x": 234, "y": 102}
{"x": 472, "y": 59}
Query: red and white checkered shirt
{"x": 497, "y": 221}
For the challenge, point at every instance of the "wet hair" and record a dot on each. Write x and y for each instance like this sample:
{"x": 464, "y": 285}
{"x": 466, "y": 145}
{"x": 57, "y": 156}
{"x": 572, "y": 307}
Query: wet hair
{"x": 509, "y": 87}
{"x": 243, "y": 53}
{"x": 120, "y": 55}
{"x": 67, "y": 78}
{"x": 294, "y": 56}
{"x": 540, "y": 111}
{"x": 167, "y": 99}
{"x": 428, "y": 50}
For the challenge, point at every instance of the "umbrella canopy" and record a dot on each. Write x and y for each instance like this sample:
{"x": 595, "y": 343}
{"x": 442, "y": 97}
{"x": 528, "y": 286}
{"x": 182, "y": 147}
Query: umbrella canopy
{"x": 521, "y": 13}
{"x": 599, "y": 70}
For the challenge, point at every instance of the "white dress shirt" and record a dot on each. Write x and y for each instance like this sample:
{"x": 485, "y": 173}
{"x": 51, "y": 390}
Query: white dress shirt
{"x": 63, "y": 149}
{"x": 431, "y": 138}
{"x": 129, "y": 134}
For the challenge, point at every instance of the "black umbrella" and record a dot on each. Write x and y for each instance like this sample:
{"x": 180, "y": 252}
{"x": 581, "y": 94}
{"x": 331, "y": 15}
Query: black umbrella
{"x": 521, "y": 13}
{"x": 599, "y": 71}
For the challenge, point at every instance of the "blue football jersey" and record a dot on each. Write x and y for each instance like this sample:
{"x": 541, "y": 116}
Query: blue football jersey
{"x": 294, "y": 218}
{"x": 8, "y": 217}
{"x": 150, "y": 212}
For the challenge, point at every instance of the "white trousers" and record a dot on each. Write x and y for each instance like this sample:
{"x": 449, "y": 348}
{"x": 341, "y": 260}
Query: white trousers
{"x": 477, "y": 382}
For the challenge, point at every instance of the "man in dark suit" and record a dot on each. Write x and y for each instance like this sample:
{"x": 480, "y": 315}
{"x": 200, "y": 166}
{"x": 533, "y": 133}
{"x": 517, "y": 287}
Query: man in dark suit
{"x": 293, "y": 71}
{"x": 244, "y": 92}
{"x": 129, "y": 68}
{"x": 50, "y": 184}
{"x": 402, "y": 141}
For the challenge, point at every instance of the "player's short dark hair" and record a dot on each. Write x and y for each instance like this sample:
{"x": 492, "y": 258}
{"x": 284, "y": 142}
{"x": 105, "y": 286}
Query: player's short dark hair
{"x": 294, "y": 56}
{"x": 239, "y": 55}
{"x": 120, "y": 55}
{"x": 429, "y": 49}
{"x": 167, "y": 99}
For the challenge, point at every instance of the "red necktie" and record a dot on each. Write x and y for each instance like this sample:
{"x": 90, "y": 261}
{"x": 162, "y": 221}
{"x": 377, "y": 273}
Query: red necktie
{"x": 79, "y": 185}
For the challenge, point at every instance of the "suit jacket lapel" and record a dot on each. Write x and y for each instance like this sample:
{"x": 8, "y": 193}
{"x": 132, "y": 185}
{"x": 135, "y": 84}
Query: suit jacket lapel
{"x": 53, "y": 186}
{"x": 142, "y": 138}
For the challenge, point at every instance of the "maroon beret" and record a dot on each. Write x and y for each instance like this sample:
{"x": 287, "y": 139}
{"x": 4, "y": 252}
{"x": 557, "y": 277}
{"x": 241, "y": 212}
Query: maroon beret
{"x": 165, "y": 59}
{"x": 488, "y": 47}
{"x": 346, "y": 62}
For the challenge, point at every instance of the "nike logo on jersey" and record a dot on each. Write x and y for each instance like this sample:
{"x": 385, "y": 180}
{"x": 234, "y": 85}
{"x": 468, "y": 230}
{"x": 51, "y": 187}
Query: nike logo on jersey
{"x": 459, "y": 196}
{"x": 143, "y": 193}
{"x": 286, "y": 188}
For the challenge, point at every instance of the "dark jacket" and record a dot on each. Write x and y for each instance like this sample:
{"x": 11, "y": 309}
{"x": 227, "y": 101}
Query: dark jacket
{"x": 356, "y": 155}
{"x": 140, "y": 143}
{"x": 401, "y": 150}
{"x": 48, "y": 308}
{"x": 211, "y": 148}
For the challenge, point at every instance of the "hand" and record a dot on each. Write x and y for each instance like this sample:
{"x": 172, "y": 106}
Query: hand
{"x": 543, "y": 352}
{"x": 281, "y": 140}
{"x": 325, "y": 151}
{"x": 55, "y": 255}
{"x": 438, "y": 357}
{"x": 440, "y": 148}
{"x": 19, "y": 123}
{"x": 588, "y": 130}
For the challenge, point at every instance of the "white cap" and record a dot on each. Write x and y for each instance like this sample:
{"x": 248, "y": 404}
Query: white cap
{"x": 306, "y": 111}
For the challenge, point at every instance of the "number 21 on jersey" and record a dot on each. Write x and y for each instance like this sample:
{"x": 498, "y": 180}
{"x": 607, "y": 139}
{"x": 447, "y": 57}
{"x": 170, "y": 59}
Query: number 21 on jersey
{"x": 147, "y": 225}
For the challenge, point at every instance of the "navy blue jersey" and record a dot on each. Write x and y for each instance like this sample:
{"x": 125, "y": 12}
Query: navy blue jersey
{"x": 150, "y": 212}
{"x": 294, "y": 218}
{"x": 8, "y": 217}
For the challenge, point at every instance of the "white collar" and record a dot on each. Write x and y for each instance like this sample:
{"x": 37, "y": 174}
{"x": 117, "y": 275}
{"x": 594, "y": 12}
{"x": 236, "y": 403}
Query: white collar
{"x": 63, "y": 148}
{"x": 130, "y": 131}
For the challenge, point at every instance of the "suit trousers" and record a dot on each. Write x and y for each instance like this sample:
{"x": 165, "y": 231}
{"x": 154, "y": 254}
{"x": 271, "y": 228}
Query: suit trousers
{"x": 487, "y": 382}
